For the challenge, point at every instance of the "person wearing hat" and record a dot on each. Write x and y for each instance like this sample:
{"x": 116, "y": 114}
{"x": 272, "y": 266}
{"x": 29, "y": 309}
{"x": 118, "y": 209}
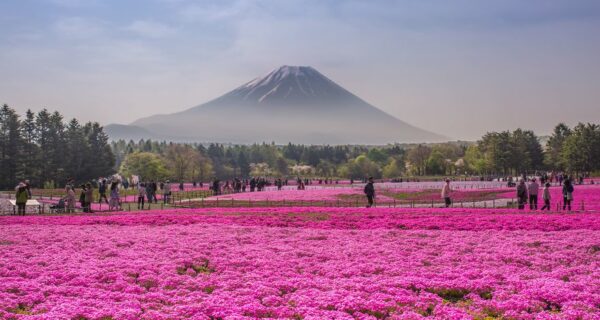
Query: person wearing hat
{"x": 533, "y": 189}
{"x": 370, "y": 192}
{"x": 446, "y": 190}
{"x": 21, "y": 196}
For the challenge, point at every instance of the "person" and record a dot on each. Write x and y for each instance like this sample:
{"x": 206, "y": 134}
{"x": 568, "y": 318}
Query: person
{"x": 149, "y": 197}
{"x": 167, "y": 192}
{"x": 28, "y": 189}
{"x": 70, "y": 199}
{"x": 521, "y": 194}
{"x": 567, "y": 192}
{"x": 533, "y": 189}
{"x": 88, "y": 198}
{"x": 115, "y": 201}
{"x": 22, "y": 195}
{"x": 446, "y": 190}
{"x": 216, "y": 187}
{"x": 102, "y": 191}
{"x": 546, "y": 196}
{"x": 82, "y": 198}
{"x": 154, "y": 190}
{"x": 181, "y": 186}
{"x": 141, "y": 196}
{"x": 370, "y": 192}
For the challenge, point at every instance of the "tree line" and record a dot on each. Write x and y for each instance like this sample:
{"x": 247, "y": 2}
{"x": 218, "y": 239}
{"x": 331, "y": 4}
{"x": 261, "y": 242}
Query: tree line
{"x": 508, "y": 153}
{"x": 44, "y": 149}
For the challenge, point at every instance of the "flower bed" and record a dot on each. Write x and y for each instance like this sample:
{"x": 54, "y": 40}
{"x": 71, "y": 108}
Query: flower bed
{"x": 301, "y": 263}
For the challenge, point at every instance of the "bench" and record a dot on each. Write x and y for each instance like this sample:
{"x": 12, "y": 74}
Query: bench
{"x": 28, "y": 204}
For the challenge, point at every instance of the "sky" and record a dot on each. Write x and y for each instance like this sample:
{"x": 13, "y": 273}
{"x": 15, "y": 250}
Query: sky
{"x": 456, "y": 67}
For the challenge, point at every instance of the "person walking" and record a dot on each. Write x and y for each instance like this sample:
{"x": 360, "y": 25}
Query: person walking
{"x": 567, "y": 191}
{"x": 141, "y": 195}
{"x": 167, "y": 192}
{"x": 533, "y": 189}
{"x": 522, "y": 194}
{"x": 70, "y": 199}
{"x": 547, "y": 197}
{"x": 21, "y": 195}
{"x": 88, "y": 198}
{"x": 115, "y": 199}
{"x": 446, "y": 193}
{"x": 370, "y": 192}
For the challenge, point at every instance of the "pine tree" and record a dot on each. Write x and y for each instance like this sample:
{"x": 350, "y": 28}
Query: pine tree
{"x": 76, "y": 150}
{"x": 100, "y": 160}
{"x": 30, "y": 149}
{"x": 10, "y": 147}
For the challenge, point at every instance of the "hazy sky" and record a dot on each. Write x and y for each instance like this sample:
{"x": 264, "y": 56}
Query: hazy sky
{"x": 459, "y": 68}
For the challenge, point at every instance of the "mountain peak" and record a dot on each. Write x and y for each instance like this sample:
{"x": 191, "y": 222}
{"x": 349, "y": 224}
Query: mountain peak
{"x": 282, "y": 73}
{"x": 289, "y": 84}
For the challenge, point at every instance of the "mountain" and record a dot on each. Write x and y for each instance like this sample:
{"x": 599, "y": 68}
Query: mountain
{"x": 290, "y": 104}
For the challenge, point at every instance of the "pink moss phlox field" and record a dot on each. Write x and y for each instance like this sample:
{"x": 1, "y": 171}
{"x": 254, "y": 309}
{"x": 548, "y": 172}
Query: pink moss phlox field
{"x": 317, "y": 194}
{"x": 301, "y": 263}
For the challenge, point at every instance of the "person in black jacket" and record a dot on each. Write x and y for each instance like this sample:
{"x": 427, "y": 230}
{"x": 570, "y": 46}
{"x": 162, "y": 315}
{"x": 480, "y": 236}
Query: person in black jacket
{"x": 102, "y": 191}
{"x": 370, "y": 192}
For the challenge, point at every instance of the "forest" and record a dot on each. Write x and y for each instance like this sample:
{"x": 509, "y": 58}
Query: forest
{"x": 47, "y": 150}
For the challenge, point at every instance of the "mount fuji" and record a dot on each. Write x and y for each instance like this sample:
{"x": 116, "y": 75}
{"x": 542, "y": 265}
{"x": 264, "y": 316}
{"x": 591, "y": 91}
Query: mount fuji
{"x": 290, "y": 104}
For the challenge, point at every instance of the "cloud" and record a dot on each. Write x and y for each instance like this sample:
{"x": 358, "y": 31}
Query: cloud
{"x": 73, "y": 3}
{"x": 151, "y": 29}
{"x": 217, "y": 11}
{"x": 79, "y": 27}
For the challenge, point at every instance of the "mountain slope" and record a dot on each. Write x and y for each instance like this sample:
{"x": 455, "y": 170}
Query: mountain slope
{"x": 290, "y": 104}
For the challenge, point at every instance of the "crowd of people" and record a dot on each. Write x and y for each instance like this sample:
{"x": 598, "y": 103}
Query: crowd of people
{"x": 527, "y": 190}
{"x": 527, "y": 193}
{"x": 258, "y": 184}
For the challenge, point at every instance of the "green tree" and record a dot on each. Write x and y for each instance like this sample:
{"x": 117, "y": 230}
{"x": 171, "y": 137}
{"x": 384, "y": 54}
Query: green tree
{"x": 31, "y": 154}
{"x": 181, "y": 159}
{"x": 76, "y": 150}
{"x": 553, "y": 157}
{"x": 146, "y": 165}
{"x": 394, "y": 169}
{"x": 100, "y": 160}
{"x": 10, "y": 147}
{"x": 417, "y": 157}
{"x": 581, "y": 149}
{"x": 436, "y": 163}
